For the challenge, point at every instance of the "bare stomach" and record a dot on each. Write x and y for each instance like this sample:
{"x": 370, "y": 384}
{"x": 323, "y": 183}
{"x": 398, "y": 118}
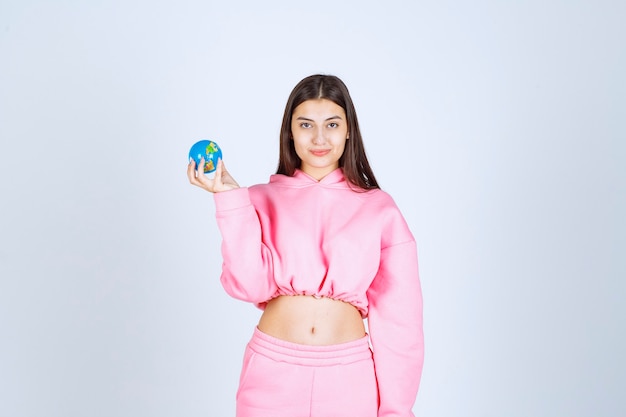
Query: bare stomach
{"x": 311, "y": 321}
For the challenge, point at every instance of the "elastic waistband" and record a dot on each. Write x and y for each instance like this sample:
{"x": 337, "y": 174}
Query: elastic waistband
{"x": 309, "y": 355}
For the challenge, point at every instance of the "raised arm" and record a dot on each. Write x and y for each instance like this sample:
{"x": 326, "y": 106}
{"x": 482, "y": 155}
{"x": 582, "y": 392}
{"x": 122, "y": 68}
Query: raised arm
{"x": 247, "y": 270}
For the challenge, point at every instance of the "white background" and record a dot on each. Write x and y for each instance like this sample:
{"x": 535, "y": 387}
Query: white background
{"x": 498, "y": 127}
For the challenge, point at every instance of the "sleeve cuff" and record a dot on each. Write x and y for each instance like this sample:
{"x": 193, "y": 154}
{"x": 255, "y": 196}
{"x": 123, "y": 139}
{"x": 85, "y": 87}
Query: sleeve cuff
{"x": 232, "y": 200}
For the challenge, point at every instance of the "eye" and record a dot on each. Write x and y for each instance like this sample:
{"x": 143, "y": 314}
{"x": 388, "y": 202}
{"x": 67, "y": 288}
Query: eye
{"x": 333, "y": 125}
{"x": 305, "y": 125}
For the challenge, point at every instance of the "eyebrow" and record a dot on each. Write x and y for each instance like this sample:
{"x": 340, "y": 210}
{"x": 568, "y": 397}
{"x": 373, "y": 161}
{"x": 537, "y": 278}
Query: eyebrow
{"x": 311, "y": 120}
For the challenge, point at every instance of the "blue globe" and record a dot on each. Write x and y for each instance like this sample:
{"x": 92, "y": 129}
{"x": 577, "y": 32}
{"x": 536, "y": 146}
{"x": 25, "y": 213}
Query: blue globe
{"x": 210, "y": 151}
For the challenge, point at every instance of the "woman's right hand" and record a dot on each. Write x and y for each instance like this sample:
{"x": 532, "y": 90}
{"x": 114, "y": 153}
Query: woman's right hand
{"x": 222, "y": 181}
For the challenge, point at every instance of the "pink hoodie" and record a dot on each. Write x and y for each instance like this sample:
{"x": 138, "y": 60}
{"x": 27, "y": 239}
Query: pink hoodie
{"x": 298, "y": 236}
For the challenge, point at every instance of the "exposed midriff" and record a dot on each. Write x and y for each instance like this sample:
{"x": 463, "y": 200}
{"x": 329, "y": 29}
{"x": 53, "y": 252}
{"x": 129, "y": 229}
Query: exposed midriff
{"x": 311, "y": 320}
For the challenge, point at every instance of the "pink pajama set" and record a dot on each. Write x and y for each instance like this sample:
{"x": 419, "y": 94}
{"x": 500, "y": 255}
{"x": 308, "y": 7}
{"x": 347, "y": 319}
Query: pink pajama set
{"x": 299, "y": 236}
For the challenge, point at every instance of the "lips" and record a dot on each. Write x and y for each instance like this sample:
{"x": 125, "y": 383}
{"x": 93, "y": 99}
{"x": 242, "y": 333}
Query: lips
{"x": 320, "y": 152}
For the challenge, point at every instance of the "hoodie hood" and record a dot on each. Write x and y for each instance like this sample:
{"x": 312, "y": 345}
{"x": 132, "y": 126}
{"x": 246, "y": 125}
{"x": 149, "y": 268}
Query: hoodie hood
{"x": 301, "y": 179}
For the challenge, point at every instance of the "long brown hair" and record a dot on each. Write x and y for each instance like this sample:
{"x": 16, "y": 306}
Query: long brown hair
{"x": 356, "y": 168}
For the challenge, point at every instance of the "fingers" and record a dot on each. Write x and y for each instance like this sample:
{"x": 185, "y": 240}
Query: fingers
{"x": 201, "y": 165}
{"x": 217, "y": 180}
{"x": 222, "y": 181}
{"x": 197, "y": 177}
{"x": 226, "y": 179}
{"x": 191, "y": 171}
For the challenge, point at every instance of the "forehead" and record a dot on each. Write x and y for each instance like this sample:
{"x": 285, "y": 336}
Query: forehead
{"x": 319, "y": 108}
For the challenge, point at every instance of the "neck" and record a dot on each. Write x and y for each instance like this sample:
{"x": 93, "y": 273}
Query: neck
{"x": 318, "y": 174}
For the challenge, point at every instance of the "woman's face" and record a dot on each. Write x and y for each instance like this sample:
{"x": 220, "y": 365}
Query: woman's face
{"x": 320, "y": 130}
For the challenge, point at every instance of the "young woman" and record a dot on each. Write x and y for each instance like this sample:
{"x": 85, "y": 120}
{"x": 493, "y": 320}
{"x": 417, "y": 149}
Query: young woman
{"x": 318, "y": 249}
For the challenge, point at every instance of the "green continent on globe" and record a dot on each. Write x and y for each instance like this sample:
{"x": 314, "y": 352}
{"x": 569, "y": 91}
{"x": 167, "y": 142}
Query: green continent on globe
{"x": 211, "y": 148}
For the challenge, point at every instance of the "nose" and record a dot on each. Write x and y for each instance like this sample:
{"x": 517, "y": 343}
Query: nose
{"x": 318, "y": 137}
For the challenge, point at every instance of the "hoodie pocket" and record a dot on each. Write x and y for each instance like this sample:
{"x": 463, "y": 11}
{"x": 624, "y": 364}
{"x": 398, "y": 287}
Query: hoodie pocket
{"x": 248, "y": 359}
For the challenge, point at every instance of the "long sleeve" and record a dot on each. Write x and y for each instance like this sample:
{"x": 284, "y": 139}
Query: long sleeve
{"x": 247, "y": 270}
{"x": 396, "y": 332}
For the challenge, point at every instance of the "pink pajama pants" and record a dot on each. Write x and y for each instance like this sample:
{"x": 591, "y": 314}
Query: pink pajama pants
{"x": 284, "y": 379}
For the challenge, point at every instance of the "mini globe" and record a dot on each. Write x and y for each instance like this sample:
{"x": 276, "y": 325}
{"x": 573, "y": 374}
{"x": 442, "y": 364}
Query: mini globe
{"x": 210, "y": 151}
